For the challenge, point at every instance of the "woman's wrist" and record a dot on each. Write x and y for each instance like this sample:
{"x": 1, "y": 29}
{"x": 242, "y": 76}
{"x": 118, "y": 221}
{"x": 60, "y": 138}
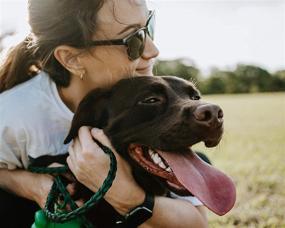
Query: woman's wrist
{"x": 123, "y": 203}
{"x": 40, "y": 193}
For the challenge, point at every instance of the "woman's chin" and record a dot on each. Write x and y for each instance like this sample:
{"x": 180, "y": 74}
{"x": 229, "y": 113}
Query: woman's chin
{"x": 144, "y": 72}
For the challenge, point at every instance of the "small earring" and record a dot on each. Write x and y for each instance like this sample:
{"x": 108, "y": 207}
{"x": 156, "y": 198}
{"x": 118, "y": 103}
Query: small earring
{"x": 82, "y": 75}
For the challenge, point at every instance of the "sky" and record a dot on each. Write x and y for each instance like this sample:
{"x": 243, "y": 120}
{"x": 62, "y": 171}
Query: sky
{"x": 211, "y": 33}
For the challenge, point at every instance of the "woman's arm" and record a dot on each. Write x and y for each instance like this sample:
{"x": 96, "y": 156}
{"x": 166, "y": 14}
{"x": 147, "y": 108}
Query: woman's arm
{"x": 175, "y": 213}
{"x": 90, "y": 166}
{"x": 25, "y": 184}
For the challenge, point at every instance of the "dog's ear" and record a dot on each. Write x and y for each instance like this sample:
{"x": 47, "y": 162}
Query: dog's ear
{"x": 92, "y": 111}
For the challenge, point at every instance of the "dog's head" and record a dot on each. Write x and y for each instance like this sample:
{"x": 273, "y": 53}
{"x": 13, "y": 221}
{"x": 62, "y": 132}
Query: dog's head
{"x": 152, "y": 122}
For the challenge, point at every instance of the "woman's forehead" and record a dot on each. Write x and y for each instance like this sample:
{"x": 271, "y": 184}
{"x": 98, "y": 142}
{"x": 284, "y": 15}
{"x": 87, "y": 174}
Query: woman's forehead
{"x": 115, "y": 15}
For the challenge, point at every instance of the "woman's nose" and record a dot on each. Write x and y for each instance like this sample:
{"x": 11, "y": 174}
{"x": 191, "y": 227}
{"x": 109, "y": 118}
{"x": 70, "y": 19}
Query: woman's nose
{"x": 150, "y": 49}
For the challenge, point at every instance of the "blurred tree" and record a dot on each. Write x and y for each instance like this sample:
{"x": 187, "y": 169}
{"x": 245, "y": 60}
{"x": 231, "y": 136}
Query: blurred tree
{"x": 278, "y": 82}
{"x": 253, "y": 79}
{"x": 215, "y": 83}
{"x": 244, "y": 78}
{"x": 220, "y": 82}
{"x": 183, "y": 68}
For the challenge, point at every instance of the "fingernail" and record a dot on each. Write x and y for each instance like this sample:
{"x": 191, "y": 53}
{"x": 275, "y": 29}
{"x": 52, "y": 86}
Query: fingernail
{"x": 95, "y": 130}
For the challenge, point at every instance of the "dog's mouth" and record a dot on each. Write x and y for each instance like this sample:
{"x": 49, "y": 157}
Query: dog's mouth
{"x": 153, "y": 163}
{"x": 186, "y": 173}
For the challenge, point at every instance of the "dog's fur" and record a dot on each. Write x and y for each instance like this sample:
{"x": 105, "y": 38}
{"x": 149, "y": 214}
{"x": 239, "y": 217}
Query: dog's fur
{"x": 167, "y": 124}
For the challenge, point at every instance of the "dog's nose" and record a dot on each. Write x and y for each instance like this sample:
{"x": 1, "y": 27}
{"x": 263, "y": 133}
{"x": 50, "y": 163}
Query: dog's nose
{"x": 209, "y": 115}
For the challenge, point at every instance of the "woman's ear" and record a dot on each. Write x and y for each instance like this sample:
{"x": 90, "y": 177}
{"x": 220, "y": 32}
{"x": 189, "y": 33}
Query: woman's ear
{"x": 69, "y": 58}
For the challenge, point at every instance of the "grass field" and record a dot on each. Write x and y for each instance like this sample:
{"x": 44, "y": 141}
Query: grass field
{"x": 252, "y": 152}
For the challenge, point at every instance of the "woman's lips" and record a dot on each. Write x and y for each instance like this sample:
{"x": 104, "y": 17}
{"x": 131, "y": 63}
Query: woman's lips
{"x": 144, "y": 69}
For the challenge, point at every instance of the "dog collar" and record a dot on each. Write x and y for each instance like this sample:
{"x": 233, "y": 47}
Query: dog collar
{"x": 139, "y": 214}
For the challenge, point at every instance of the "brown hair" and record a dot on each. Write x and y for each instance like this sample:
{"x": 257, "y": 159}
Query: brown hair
{"x": 53, "y": 23}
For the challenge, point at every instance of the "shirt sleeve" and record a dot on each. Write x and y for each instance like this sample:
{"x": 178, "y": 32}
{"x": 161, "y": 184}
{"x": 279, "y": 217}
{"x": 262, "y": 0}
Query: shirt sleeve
{"x": 192, "y": 199}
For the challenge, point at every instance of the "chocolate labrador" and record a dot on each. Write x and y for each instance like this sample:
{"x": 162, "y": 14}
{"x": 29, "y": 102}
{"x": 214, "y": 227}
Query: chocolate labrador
{"x": 152, "y": 122}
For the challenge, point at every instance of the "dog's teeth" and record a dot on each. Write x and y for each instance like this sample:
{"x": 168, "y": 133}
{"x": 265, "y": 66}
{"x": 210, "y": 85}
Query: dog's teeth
{"x": 156, "y": 159}
{"x": 151, "y": 152}
{"x": 161, "y": 165}
{"x": 152, "y": 155}
{"x": 168, "y": 169}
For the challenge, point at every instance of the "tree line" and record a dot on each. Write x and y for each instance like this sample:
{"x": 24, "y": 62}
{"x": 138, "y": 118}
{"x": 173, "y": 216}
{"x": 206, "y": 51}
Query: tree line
{"x": 242, "y": 79}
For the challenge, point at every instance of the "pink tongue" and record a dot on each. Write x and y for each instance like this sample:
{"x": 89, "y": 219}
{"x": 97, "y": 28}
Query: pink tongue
{"x": 213, "y": 188}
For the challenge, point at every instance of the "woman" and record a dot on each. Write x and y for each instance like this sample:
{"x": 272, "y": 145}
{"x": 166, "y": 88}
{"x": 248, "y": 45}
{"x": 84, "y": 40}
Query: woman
{"x": 37, "y": 112}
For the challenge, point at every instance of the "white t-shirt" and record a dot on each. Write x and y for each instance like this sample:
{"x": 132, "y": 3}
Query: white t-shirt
{"x": 34, "y": 122}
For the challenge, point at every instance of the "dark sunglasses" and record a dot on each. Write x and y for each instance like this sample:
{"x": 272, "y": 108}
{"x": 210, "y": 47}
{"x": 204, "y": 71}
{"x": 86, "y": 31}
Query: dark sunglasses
{"x": 135, "y": 42}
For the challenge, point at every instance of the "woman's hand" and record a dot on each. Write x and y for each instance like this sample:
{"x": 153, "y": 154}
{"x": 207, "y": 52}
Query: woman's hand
{"x": 90, "y": 166}
{"x": 44, "y": 183}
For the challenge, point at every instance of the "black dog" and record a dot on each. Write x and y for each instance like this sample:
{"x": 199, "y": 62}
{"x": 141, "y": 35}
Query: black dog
{"x": 152, "y": 122}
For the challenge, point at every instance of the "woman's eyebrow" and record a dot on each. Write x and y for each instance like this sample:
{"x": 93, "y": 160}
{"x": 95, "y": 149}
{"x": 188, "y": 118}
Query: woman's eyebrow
{"x": 129, "y": 27}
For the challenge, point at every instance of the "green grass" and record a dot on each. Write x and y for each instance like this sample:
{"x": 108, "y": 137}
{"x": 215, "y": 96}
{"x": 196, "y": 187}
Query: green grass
{"x": 252, "y": 152}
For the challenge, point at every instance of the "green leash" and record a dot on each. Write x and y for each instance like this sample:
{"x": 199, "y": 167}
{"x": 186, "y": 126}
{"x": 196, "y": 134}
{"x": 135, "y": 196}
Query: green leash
{"x": 53, "y": 215}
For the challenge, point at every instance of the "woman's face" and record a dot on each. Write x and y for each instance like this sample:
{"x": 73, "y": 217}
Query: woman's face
{"x": 105, "y": 65}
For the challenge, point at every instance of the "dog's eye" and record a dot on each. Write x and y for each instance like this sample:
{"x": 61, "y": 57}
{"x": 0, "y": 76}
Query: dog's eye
{"x": 195, "y": 97}
{"x": 150, "y": 100}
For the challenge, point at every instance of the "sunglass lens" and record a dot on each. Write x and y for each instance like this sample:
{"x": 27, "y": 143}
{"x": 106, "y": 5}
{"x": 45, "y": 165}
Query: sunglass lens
{"x": 136, "y": 44}
{"x": 150, "y": 26}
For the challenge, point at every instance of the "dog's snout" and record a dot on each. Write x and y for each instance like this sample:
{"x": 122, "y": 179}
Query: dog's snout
{"x": 209, "y": 114}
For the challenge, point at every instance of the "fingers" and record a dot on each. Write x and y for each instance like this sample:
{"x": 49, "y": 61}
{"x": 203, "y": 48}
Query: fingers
{"x": 85, "y": 142}
{"x": 73, "y": 147}
{"x": 101, "y": 137}
{"x": 69, "y": 176}
{"x": 89, "y": 147}
{"x": 71, "y": 164}
{"x": 71, "y": 188}
{"x": 85, "y": 138}
{"x": 86, "y": 160}
{"x": 55, "y": 165}
{"x": 71, "y": 159}
{"x": 79, "y": 202}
